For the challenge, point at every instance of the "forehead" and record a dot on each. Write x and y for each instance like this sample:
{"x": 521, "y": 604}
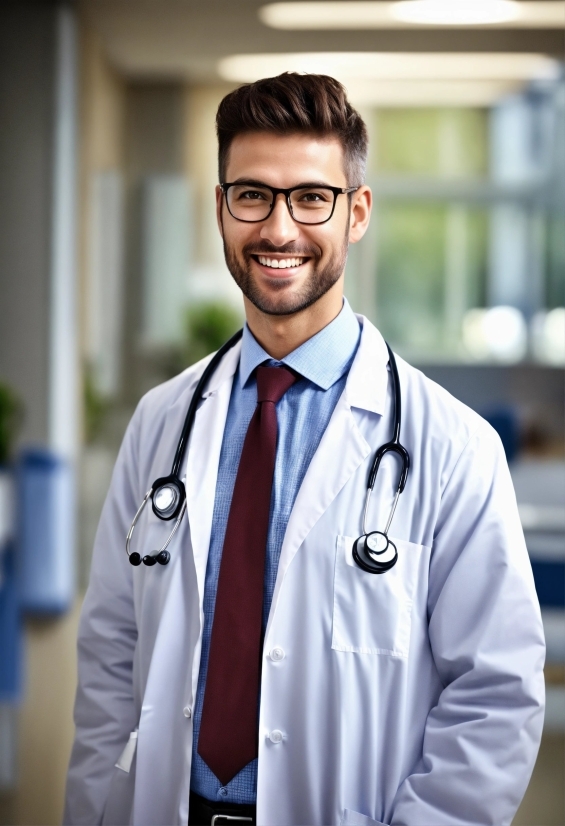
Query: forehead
{"x": 286, "y": 160}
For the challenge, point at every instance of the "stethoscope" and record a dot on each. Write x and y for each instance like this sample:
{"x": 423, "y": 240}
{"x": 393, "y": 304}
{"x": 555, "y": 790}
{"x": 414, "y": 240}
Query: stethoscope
{"x": 374, "y": 552}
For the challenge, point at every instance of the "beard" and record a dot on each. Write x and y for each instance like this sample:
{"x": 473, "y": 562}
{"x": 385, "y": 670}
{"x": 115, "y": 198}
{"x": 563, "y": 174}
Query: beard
{"x": 320, "y": 281}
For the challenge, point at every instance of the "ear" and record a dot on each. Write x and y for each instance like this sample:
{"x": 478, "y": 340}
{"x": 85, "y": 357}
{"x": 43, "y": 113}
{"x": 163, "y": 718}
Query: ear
{"x": 361, "y": 205}
{"x": 219, "y": 204}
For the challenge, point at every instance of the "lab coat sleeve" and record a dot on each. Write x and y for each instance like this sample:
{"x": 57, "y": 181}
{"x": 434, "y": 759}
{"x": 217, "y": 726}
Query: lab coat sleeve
{"x": 481, "y": 739}
{"x": 104, "y": 709}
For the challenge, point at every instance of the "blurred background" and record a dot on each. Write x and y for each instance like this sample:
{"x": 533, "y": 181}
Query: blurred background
{"x": 112, "y": 276}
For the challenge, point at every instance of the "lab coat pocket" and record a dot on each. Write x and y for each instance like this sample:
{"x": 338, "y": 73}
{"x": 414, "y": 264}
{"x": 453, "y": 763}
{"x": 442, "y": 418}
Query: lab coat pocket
{"x": 372, "y": 613}
{"x": 126, "y": 757}
{"x": 119, "y": 805}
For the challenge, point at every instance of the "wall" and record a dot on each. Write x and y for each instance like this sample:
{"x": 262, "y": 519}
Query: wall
{"x": 27, "y": 42}
{"x": 28, "y": 227}
{"x": 209, "y": 277}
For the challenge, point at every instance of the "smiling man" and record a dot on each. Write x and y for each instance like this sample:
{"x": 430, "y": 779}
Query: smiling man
{"x": 305, "y": 653}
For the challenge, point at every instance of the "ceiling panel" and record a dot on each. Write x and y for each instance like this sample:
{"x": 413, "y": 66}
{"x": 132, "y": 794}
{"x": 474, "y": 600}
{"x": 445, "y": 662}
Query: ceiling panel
{"x": 187, "y": 38}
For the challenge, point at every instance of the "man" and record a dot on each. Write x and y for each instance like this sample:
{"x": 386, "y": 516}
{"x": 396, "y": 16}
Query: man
{"x": 262, "y": 675}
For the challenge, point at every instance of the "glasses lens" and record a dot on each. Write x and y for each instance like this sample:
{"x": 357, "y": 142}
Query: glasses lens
{"x": 312, "y": 205}
{"x": 249, "y": 203}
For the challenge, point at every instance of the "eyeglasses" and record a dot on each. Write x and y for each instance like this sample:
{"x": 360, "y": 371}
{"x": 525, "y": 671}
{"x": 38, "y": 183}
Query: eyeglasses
{"x": 307, "y": 204}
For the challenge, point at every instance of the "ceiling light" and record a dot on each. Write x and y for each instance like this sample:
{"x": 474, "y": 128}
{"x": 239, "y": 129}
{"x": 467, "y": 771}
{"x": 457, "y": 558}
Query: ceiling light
{"x": 455, "y": 12}
{"x": 548, "y": 335}
{"x": 499, "y": 333}
{"x": 377, "y": 14}
{"x": 335, "y": 14}
{"x": 429, "y": 93}
{"x": 389, "y": 66}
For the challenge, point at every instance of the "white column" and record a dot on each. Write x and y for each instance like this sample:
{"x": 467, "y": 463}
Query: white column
{"x": 63, "y": 343}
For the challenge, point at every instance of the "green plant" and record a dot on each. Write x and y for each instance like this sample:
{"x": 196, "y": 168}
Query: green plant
{"x": 96, "y": 406}
{"x": 207, "y": 326}
{"x": 11, "y": 414}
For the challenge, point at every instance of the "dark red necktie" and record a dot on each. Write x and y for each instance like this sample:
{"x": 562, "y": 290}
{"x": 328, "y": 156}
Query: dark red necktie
{"x": 228, "y": 738}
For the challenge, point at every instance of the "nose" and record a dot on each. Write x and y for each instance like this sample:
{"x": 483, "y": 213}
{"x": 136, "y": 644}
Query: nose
{"x": 280, "y": 228}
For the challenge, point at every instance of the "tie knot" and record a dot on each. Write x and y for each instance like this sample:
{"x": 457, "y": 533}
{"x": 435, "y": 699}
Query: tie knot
{"x": 273, "y": 382}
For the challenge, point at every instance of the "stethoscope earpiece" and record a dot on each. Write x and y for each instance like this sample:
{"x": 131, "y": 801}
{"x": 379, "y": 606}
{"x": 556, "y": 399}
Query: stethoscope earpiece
{"x": 162, "y": 557}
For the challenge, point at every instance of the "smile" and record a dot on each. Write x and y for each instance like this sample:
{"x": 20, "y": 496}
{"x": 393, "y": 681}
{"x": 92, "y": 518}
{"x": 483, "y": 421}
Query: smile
{"x": 280, "y": 263}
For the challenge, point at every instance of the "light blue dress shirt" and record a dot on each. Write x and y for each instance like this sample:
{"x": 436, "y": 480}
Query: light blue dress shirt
{"x": 303, "y": 414}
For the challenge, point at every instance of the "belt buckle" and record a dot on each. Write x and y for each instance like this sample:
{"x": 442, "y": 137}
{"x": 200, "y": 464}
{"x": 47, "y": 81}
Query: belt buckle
{"x": 216, "y": 818}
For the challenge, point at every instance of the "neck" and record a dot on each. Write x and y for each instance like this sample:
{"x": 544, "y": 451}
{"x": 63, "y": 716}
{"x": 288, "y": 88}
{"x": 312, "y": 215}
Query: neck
{"x": 279, "y": 335}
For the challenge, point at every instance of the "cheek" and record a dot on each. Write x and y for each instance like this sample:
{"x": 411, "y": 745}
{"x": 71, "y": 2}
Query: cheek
{"x": 236, "y": 236}
{"x": 332, "y": 245}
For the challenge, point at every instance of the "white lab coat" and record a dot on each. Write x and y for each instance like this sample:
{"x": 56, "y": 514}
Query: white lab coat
{"x": 413, "y": 698}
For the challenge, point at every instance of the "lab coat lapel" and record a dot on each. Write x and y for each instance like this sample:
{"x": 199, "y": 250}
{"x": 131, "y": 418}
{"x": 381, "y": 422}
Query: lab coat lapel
{"x": 342, "y": 448}
{"x": 203, "y": 460}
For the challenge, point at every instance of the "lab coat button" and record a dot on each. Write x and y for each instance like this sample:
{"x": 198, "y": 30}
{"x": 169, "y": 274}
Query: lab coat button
{"x": 187, "y": 711}
{"x": 277, "y": 654}
{"x": 276, "y": 736}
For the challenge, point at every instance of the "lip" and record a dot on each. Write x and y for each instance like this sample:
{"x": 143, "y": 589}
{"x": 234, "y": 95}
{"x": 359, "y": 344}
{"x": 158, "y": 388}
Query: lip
{"x": 282, "y": 274}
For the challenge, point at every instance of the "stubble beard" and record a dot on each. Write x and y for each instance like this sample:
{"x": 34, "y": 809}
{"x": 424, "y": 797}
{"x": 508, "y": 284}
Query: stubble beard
{"x": 316, "y": 286}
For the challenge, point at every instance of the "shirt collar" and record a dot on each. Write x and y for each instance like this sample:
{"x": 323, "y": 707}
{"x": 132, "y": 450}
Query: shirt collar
{"x": 323, "y": 359}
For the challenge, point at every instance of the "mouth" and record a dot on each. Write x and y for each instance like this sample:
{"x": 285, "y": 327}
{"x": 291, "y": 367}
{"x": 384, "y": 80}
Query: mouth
{"x": 275, "y": 265}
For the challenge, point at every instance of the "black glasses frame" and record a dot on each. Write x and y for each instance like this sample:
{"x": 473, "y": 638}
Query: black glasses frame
{"x": 335, "y": 190}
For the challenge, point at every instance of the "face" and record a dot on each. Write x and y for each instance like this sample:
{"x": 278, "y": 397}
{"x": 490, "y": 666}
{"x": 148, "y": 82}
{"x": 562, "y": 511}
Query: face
{"x": 281, "y": 266}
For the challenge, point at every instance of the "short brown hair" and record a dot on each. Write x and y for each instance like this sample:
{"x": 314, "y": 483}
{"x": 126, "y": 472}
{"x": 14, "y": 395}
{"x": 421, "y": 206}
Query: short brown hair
{"x": 291, "y": 103}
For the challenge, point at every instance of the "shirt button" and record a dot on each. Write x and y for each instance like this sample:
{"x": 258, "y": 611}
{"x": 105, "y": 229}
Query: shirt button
{"x": 187, "y": 711}
{"x": 223, "y": 792}
{"x": 277, "y": 654}
{"x": 276, "y": 736}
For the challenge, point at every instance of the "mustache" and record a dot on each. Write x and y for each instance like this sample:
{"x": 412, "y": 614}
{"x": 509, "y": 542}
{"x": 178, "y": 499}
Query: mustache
{"x": 265, "y": 247}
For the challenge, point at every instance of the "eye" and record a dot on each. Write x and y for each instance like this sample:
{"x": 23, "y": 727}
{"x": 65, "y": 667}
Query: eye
{"x": 251, "y": 195}
{"x": 314, "y": 196}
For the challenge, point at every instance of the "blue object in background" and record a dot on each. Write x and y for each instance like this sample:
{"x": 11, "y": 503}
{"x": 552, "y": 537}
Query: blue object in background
{"x": 10, "y": 628}
{"x": 549, "y": 577}
{"x": 504, "y": 419}
{"x": 45, "y": 497}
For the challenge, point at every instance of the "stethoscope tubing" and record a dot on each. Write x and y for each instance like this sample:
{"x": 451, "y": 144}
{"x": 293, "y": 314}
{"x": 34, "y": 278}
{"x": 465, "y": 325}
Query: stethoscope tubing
{"x": 365, "y": 550}
{"x": 196, "y": 397}
{"x": 393, "y": 446}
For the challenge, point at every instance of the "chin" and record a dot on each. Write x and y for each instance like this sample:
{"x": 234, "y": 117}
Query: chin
{"x": 282, "y": 302}
{"x": 284, "y": 296}
{"x": 276, "y": 304}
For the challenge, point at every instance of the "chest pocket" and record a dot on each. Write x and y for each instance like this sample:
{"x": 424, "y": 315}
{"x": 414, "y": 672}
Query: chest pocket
{"x": 372, "y": 613}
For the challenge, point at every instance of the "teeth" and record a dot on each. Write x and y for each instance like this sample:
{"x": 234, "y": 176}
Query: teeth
{"x": 279, "y": 263}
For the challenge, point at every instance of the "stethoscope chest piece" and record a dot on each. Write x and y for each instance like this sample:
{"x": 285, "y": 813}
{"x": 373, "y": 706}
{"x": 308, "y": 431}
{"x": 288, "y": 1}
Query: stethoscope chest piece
{"x": 375, "y": 553}
{"x": 168, "y": 497}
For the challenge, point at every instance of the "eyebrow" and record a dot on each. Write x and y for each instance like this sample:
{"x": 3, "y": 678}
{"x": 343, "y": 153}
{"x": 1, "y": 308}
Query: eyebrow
{"x": 305, "y": 184}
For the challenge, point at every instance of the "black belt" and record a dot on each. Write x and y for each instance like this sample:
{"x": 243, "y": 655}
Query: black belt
{"x": 202, "y": 812}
